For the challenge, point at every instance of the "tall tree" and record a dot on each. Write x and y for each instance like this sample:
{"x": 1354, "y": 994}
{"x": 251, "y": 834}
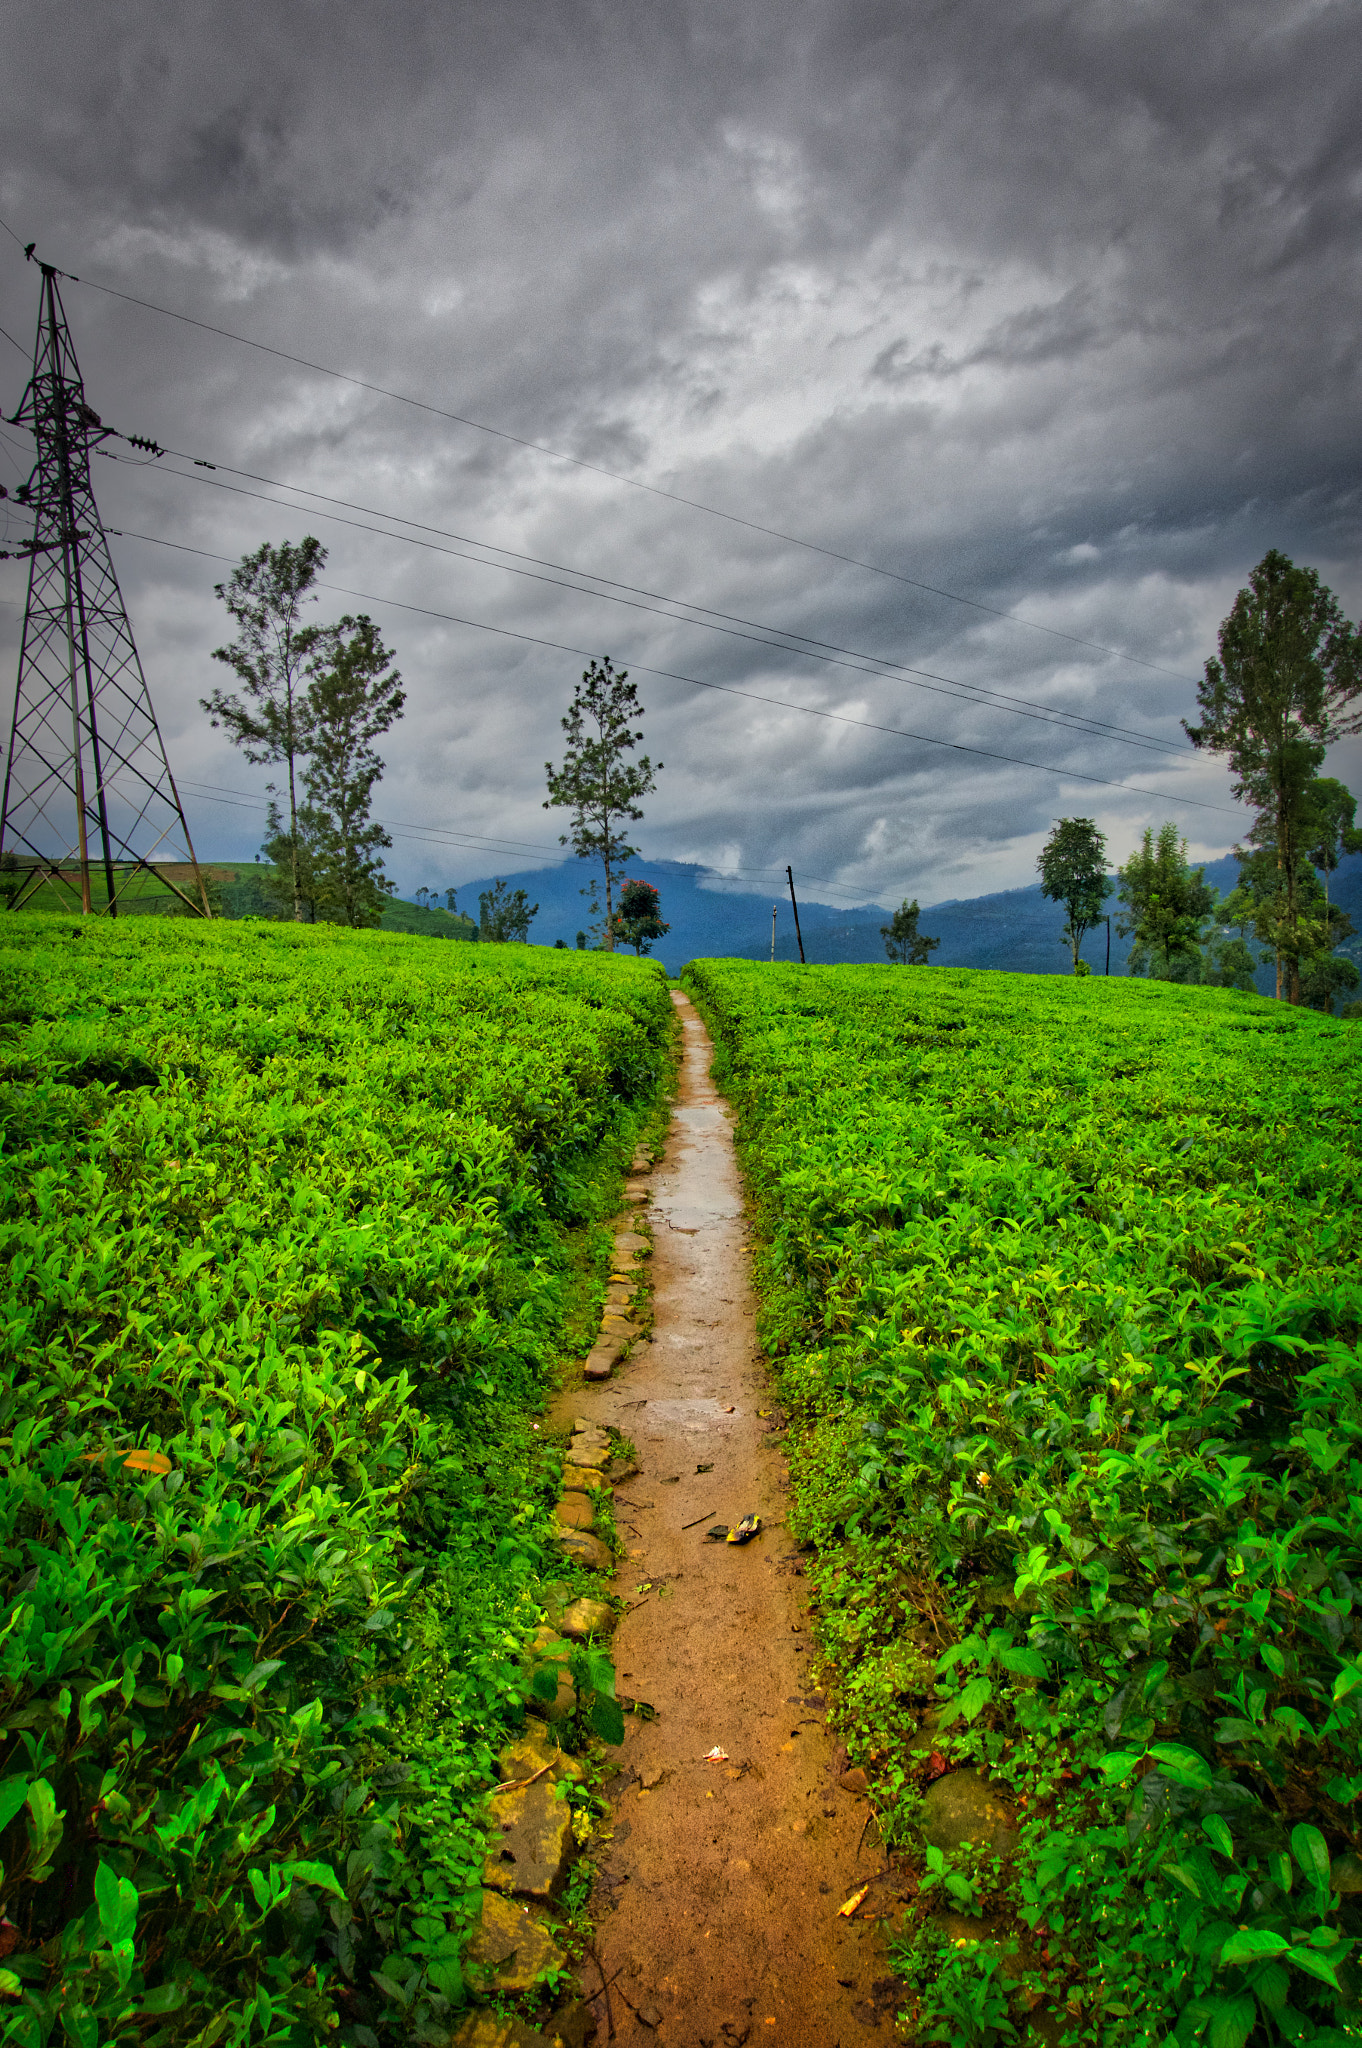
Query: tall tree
{"x": 354, "y": 695}
{"x": 505, "y": 914}
{"x": 265, "y": 595}
{"x": 1167, "y": 903}
{"x": 596, "y": 783}
{"x": 638, "y": 922}
{"x": 903, "y": 942}
{"x": 1283, "y": 689}
{"x": 1073, "y": 871}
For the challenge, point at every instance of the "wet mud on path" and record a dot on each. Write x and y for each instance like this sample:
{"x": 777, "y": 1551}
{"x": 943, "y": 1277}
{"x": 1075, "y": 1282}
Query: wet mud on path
{"x": 717, "y": 1899}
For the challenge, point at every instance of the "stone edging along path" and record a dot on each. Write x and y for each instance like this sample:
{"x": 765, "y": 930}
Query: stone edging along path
{"x": 739, "y": 1876}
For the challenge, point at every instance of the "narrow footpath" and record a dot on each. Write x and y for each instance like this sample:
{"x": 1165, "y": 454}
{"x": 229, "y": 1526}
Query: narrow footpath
{"x": 718, "y": 1898}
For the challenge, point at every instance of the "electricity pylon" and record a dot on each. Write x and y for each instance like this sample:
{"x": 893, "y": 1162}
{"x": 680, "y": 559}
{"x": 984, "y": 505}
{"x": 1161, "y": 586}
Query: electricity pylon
{"x": 87, "y": 765}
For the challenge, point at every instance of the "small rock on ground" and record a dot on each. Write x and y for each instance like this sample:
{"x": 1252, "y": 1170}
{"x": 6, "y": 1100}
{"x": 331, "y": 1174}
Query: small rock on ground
{"x": 574, "y": 1511}
{"x": 629, "y": 1243}
{"x": 582, "y": 1479}
{"x": 962, "y": 1807}
{"x": 592, "y": 1456}
{"x": 510, "y": 1949}
{"x": 587, "y": 1618}
{"x": 531, "y": 1842}
{"x": 489, "y": 2030}
{"x": 580, "y": 1548}
{"x": 529, "y": 1753}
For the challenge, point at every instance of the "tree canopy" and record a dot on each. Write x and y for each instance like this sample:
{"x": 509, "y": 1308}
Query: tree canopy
{"x": 354, "y": 695}
{"x": 1167, "y": 903}
{"x": 505, "y": 914}
{"x": 1284, "y": 687}
{"x": 265, "y": 595}
{"x": 1073, "y": 871}
{"x": 597, "y": 783}
{"x": 903, "y": 942}
{"x": 638, "y": 922}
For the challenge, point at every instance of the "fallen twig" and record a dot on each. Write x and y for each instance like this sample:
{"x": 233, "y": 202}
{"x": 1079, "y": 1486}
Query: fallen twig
{"x": 698, "y": 1519}
{"x": 512, "y": 1783}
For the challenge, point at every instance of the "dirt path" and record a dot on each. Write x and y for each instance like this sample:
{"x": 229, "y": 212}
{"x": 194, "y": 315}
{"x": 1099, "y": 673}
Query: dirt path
{"x": 718, "y": 1898}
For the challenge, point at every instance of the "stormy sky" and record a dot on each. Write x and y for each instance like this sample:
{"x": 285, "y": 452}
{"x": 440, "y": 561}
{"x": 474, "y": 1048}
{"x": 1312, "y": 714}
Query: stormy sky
{"x": 959, "y": 311}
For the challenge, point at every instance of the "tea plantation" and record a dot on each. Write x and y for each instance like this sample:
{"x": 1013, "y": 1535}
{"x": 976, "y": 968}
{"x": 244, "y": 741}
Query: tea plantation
{"x": 296, "y": 1225}
{"x": 1062, "y": 1279}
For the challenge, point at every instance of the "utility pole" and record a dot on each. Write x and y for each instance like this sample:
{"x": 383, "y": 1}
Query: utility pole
{"x": 86, "y": 759}
{"x": 774, "y": 908}
{"x": 798, "y": 934}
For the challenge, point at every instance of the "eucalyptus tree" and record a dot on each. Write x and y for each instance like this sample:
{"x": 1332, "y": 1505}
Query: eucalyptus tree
{"x": 1284, "y": 687}
{"x": 265, "y": 596}
{"x": 597, "y": 783}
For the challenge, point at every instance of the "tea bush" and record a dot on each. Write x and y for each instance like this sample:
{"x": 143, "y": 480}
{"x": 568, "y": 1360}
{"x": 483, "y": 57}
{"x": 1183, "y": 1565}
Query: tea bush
{"x": 296, "y": 1223}
{"x": 1063, "y": 1278}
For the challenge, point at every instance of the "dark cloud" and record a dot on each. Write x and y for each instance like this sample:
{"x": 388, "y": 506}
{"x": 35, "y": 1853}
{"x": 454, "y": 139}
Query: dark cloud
{"x": 1055, "y": 305}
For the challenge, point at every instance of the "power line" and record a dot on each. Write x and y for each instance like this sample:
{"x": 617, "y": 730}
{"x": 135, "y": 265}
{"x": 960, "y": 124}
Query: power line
{"x": 922, "y": 679}
{"x": 724, "y": 689}
{"x": 615, "y": 476}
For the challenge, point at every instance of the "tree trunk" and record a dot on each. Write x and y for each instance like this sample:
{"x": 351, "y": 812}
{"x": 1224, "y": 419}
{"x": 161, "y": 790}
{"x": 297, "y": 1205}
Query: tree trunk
{"x": 608, "y": 938}
{"x": 293, "y": 809}
{"x": 1286, "y": 859}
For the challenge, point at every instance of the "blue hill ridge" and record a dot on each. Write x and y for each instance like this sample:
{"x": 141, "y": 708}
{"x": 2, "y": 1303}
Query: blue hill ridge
{"x": 1015, "y": 930}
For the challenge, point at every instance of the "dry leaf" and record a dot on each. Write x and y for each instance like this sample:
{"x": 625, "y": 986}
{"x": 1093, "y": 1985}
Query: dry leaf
{"x": 845, "y": 1912}
{"x": 148, "y": 1461}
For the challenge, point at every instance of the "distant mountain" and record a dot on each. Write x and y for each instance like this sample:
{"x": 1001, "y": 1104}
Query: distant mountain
{"x": 1016, "y": 931}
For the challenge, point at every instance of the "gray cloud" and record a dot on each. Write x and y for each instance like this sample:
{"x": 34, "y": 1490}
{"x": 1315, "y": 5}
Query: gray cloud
{"x": 1055, "y": 306}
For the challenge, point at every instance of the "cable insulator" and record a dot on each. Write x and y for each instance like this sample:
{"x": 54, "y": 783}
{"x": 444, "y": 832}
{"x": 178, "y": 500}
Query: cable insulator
{"x": 141, "y": 441}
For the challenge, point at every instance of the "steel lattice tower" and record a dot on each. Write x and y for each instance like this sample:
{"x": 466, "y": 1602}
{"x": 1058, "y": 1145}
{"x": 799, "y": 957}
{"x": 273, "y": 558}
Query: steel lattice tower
{"x": 87, "y": 766}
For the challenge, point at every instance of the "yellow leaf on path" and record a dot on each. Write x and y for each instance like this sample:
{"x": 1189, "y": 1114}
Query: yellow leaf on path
{"x": 845, "y": 1912}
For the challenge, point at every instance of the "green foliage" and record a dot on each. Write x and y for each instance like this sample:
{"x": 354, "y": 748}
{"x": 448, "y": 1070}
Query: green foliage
{"x": 596, "y": 783}
{"x": 1167, "y": 903}
{"x": 289, "y": 1221}
{"x": 903, "y": 942}
{"x": 1062, "y": 1279}
{"x": 265, "y": 595}
{"x": 1285, "y": 685}
{"x": 505, "y": 914}
{"x": 639, "y": 922}
{"x": 354, "y": 696}
{"x": 1073, "y": 871}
